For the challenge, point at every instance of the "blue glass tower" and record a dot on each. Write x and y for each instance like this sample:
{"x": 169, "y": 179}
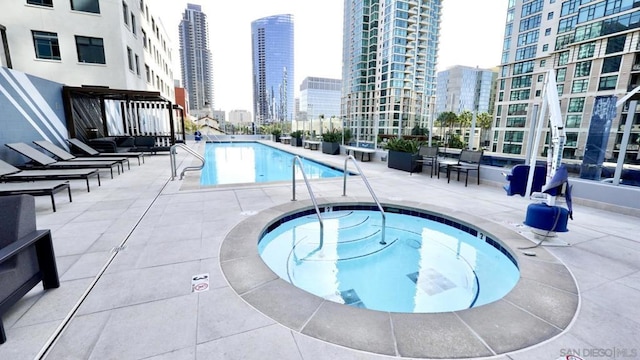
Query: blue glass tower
{"x": 272, "y": 52}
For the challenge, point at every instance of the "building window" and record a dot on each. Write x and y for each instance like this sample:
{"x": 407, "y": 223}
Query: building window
{"x": 608, "y": 82}
{"x": 144, "y": 38}
{"x": 520, "y": 95}
{"x": 550, "y": 15}
{"x": 611, "y": 64}
{"x": 90, "y": 50}
{"x": 92, "y": 6}
{"x": 147, "y": 73}
{"x": 540, "y": 78}
{"x": 137, "y": 65}
{"x": 560, "y": 89}
{"x": 538, "y": 92}
{"x": 586, "y": 50}
{"x": 579, "y": 86}
{"x": 615, "y": 44}
{"x": 48, "y": 3}
{"x": 573, "y": 121}
{"x": 563, "y": 58}
{"x": 518, "y": 122}
{"x": 543, "y": 63}
{"x": 576, "y": 105}
{"x": 511, "y": 148}
{"x": 46, "y": 45}
{"x": 125, "y": 13}
{"x": 583, "y": 69}
{"x": 545, "y": 47}
{"x": 561, "y": 74}
{"x": 133, "y": 24}
{"x": 130, "y": 58}
{"x": 547, "y": 31}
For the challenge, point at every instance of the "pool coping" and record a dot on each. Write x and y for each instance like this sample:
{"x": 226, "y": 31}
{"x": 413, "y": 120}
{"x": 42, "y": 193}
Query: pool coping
{"x": 540, "y": 307}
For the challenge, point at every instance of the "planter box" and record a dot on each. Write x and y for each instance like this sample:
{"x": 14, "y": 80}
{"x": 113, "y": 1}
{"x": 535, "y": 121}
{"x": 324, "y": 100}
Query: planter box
{"x": 331, "y": 148}
{"x": 296, "y": 142}
{"x": 275, "y": 138}
{"x": 403, "y": 161}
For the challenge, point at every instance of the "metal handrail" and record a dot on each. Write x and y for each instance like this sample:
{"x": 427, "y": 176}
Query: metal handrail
{"x": 373, "y": 195}
{"x": 174, "y": 168}
{"x": 313, "y": 198}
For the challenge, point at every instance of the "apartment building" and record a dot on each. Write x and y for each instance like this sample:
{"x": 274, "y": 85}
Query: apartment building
{"x": 115, "y": 44}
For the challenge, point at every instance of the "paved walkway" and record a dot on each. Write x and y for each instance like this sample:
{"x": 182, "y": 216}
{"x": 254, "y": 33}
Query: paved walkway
{"x": 127, "y": 251}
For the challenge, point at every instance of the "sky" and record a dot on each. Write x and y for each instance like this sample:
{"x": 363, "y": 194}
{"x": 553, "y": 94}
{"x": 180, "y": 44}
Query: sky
{"x": 471, "y": 34}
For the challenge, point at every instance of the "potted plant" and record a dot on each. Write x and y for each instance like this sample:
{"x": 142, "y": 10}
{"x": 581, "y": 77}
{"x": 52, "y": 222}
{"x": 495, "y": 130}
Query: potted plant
{"x": 403, "y": 154}
{"x": 276, "y": 132}
{"x": 331, "y": 142}
{"x": 296, "y": 138}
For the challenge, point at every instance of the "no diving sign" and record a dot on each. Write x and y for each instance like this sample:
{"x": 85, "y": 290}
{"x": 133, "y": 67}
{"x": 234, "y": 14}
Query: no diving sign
{"x": 200, "y": 283}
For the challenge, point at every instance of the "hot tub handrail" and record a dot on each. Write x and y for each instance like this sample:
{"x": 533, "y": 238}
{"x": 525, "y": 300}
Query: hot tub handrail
{"x": 373, "y": 195}
{"x": 172, "y": 156}
{"x": 313, "y": 197}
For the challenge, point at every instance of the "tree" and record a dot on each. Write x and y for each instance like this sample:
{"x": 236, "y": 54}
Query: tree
{"x": 446, "y": 120}
{"x": 484, "y": 122}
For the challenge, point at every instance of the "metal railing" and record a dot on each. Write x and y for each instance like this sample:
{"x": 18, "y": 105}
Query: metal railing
{"x": 174, "y": 168}
{"x": 373, "y": 195}
{"x": 313, "y": 198}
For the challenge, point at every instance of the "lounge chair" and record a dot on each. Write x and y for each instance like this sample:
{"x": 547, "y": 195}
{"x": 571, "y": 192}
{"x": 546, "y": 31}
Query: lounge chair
{"x": 10, "y": 173}
{"x": 26, "y": 254}
{"x": 43, "y": 161}
{"x": 469, "y": 161}
{"x": 36, "y": 188}
{"x": 86, "y": 149}
{"x": 64, "y": 155}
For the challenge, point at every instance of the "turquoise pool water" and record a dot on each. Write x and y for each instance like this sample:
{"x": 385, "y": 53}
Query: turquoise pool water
{"x": 252, "y": 162}
{"x": 426, "y": 265}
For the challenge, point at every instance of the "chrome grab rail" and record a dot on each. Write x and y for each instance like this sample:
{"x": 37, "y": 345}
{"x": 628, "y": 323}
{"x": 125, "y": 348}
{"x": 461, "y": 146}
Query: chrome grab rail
{"x": 174, "y": 168}
{"x": 313, "y": 198}
{"x": 373, "y": 195}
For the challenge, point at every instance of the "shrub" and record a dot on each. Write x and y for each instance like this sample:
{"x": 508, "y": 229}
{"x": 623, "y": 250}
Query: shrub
{"x": 402, "y": 145}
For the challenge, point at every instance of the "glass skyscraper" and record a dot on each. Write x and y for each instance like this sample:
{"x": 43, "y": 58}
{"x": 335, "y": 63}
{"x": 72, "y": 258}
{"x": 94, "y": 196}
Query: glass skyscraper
{"x": 390, "y": 51}
{"x": 195, "y": 58}
{"x": 273, "y": 72}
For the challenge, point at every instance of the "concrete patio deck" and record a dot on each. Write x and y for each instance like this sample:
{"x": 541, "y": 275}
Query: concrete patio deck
{"x": 127, "y": 252}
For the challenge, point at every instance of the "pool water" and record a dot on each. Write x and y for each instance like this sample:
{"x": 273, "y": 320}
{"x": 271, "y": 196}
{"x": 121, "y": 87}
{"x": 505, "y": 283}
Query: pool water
{"x": 425, "y": 266}
{"x": 252, "y": 162}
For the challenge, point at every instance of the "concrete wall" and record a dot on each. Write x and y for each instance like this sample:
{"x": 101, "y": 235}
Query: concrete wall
{"x": 622, "y": 198}
{"x": 31, "y": 110}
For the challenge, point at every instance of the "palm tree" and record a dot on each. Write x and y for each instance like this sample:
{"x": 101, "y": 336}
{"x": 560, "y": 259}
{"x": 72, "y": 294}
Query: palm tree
{"x": 446, "y": 119}
{"x": 484, "y": 121}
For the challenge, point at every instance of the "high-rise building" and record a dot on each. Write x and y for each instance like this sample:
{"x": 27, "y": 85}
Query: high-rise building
{"x": 273, "y": 72}
{"x": 120, "y": 45}
{"x": 195, "y": 59}
{"x": 320, "y": 102}
{"x": 464, "y": 88}
{"x": 461, "y": 88}
{"x": 593, "y": 48}
{"x": 389, "y": 56}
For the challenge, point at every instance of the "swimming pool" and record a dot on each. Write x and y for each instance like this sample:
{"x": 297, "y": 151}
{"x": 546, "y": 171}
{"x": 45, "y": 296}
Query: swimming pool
{"x": 252, "y": 162}
{"x": 427, "y": 265}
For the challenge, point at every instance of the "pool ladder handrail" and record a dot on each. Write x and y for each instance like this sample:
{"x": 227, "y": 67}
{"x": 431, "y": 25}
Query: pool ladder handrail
{"x": 313, "y": 197}
{"x": 373, "y": 195}
{"x": 174, "y": 168}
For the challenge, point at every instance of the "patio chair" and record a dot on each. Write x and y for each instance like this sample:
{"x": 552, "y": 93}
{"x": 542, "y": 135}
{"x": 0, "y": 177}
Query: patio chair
{"x": 469, "y": 161}
{"x": 36, "y": 188}
{"x": 428, "y": 156}
{"x": 10, "y": 173}
{"x": 64, "y": 155}
{"x": 520, "y": 175}
{"x": 40, "y": 160}
{"x": 26, "y": 254}
{"x": 88, "y": 150}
